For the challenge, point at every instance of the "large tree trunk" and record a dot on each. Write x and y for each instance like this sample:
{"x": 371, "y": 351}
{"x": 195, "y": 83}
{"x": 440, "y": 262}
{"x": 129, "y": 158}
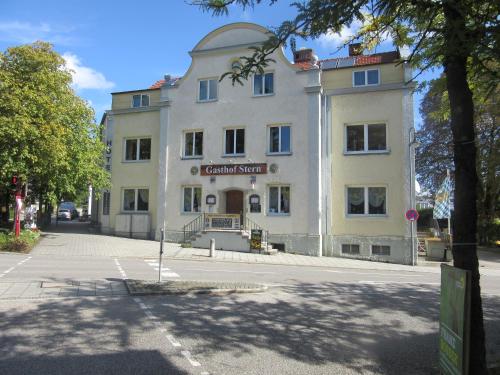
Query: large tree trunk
{"x": 465, "y": 223}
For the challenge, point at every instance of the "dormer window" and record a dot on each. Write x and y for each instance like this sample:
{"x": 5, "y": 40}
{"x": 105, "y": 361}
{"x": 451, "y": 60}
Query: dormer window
{"x": 140, "y": 100}
{"x": 370, "y": 77}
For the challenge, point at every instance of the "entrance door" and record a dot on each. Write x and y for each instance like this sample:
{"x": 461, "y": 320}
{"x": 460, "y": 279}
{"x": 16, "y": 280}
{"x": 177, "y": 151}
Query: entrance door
{"x": 234, "y": 202}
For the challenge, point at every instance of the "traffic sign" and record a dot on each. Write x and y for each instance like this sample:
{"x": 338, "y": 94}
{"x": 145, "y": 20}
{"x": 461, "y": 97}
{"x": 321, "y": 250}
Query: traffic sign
{"x": 412, "y": 215}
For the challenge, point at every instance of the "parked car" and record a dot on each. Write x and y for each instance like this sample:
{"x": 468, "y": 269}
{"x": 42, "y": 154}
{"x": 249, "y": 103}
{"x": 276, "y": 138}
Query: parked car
{"x": 70, "y": 206}
{"x": 64, "y": 214}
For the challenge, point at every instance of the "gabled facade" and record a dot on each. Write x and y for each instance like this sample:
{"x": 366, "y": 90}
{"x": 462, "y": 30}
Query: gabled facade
{"x": 313, "y": 153}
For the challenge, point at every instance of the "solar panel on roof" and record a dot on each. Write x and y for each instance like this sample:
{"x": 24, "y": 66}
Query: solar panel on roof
{"x": 329, "y": 64}
{"x": 344, "y": 63}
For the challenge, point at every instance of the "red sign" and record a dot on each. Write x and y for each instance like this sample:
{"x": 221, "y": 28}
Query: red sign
{"x": 233, "y": 169}
{"x": 412, "y": 215}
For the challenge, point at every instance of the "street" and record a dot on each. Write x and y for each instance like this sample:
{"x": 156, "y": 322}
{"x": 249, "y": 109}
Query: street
{"x": 63, "y": 313}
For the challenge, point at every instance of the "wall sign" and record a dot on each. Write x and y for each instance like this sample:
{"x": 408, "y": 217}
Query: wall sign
{"x": 211, "y": 199}
{"x": 254, "y": 201}
{"x": 233, "y": 169}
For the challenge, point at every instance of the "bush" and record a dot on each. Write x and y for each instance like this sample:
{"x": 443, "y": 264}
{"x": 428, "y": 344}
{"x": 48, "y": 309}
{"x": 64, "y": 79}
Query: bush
{"x": 22, "y": 244}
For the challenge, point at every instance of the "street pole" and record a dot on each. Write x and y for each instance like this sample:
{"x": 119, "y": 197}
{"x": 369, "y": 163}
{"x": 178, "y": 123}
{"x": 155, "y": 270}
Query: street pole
{"x": 449, "y": 215}
{"x": 161, "y": 254}
{"x": 412, "y": 142}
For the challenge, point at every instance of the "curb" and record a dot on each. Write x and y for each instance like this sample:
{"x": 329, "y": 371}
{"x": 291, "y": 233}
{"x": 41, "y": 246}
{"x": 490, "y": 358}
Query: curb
{"x": 186, "y": 291}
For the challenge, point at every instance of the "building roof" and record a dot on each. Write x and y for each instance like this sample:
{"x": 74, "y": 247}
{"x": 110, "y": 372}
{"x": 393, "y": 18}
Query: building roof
{"x": 171, "y": 82}
{"x": 361, "y": 60}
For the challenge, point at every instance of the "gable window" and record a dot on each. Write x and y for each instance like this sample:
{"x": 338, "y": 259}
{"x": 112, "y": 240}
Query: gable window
{"x": 137, "y": 149}
{"x": 279, "y": 200}
{"x": 365, "y": 138}
{"x": 350, "y": 249}
{"x": 207, "y": 90}
{"x": 366, "y": 201}
{"x": 381, "y": 250}
{"x": 135, "y": 199}
{"x": 279, "y": 139}
{"x": 191, "y": 200}
{"x": 263, "y": 84}
{"x": 193, "y": 144}
{"x": 368, "y": 77}
{"x": 234, "y": 141}
{"x": 140, "y": 100}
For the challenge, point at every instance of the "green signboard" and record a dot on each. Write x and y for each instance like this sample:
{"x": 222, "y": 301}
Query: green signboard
{"x": 454, "y": 320}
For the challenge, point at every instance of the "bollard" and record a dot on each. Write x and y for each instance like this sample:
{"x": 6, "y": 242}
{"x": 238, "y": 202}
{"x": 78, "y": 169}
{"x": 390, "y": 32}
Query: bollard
{"x": 161, "y": 253}
{"x": 212, "y": 247}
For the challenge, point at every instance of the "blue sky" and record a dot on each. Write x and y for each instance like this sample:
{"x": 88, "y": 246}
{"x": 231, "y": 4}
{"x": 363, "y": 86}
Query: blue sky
{"x": 126, "y": 45}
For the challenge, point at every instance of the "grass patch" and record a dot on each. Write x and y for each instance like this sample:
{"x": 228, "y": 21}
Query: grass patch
{"x": 186, "y": 244}
{"x": 23, "y": 244}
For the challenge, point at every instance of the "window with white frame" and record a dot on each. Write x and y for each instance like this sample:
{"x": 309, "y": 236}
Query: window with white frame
{"x": 140, "y": 100}
{"x": 366, "y": 200}
{"x": 193, "y": 144}
{"x": 106, "y": 200}
{"x": 279, "y": 139}
{"x": 263, "y": 84}
{"x": 234, "y": 141}
{"x": 381, "y": 250}
{"x": 279, "y": 200}
{"x": 207, "y": 90}
{"x": 350, "y": 248}
{"x": 365, "y": 138}
{"x": 191, "y": 199}
{"x": 137, "y": 149}
{"x": 368, "y": 77}
{"x": 135, "y": 200}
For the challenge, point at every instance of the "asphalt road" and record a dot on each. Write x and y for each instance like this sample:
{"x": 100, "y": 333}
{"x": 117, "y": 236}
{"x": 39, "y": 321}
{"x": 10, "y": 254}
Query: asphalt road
{"x": 312, "y": 320}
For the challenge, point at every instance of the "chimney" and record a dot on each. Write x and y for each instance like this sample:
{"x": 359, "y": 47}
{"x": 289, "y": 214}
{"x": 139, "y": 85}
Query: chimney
{"x": 355, "y": 49}
{"x": 303, "y": 55}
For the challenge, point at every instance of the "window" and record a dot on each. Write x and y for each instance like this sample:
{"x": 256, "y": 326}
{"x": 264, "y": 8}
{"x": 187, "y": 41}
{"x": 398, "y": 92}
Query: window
{"x": 366, "y": 138}
{"x": 279, "y": 200}
{"x": 279, "y": 139}
{"x": 191, "y": 199}
{"x": 140, "y": 100}
{"x": 135, "y": 200}
{"x": 350, "y": 249}
{"x": 263, "y": 84}
{"x": 193, "y": 144}
{"x": 365, "y": 77}
{"x": 106, "y": 196}
{"x": 366, "y": 201}
{"x": 138, "y": 149}
{"x": 381, "y": 250}
{"x": 208, "y": 90}
{"x": 234, "y": 142}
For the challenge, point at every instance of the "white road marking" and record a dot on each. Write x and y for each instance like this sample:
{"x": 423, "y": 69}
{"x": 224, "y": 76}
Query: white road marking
{"x": 374, "y": 274}
{"x": 169, "y": 274}
{"x": 173, "y": 341}
{"x": 164, "y": 270}
{"x": 14, "y": 267}
{"x": 120, "y": 269}
{"x": 227, "y": 271}
{"x": 191, "y": 360}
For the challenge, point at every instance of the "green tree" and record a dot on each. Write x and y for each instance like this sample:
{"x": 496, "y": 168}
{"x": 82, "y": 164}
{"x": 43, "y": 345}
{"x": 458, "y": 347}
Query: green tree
{"x": 49, "y": 136}
{"x": 435, "y": 153}
{"x": 447, "y": 33}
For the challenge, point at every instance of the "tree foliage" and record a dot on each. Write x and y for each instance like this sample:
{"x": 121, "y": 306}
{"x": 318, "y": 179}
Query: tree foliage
{"x": 435, "y": 153}
{"x": 452, "y": 34}
{"x": 49, "y": 137}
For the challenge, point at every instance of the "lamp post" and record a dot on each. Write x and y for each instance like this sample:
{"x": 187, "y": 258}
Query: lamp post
{"x": 412, "y": 144}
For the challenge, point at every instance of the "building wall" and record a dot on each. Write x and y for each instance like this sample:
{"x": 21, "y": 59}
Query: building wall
{"x": 124, "y": 100}
{"x": 140, "y": 174}
{"x": 390, "y": 169}
{"x": 236, "y": 106}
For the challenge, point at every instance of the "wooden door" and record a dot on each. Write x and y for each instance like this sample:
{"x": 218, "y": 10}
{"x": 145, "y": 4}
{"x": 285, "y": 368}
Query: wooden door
{"x": 234, "y": 202}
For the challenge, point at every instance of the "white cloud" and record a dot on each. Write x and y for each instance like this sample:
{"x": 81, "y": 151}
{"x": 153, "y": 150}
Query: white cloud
{"x": 26, "y": 32}
{"x": 333, "y": 39}
{"x": 83, "y": 76}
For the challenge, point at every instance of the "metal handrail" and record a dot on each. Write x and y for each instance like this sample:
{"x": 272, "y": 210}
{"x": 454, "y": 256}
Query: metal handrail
{"x": 194, "y": 226}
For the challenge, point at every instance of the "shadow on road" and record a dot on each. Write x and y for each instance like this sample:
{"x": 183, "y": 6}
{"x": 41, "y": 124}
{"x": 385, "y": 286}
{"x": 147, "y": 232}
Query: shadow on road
{"x": 360, "y": 327}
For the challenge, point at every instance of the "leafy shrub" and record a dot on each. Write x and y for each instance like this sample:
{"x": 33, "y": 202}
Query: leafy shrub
{"x": 22, "y": 244}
